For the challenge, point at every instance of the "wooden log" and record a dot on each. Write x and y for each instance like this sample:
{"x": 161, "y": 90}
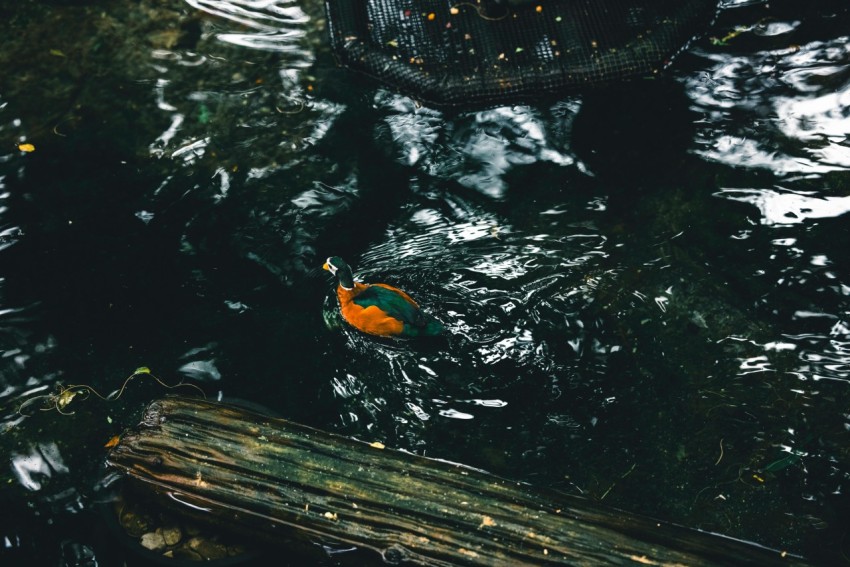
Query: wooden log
{"x": 271, "y": 476}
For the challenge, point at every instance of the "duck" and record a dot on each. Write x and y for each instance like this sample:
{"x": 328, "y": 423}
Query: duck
{"x": 379, "y": 309}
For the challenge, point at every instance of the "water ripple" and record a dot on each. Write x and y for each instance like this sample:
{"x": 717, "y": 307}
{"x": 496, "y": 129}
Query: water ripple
{"x": 265, "y": 15}
{"x": 800, "y": 94}
{"x": 478, "y": 149}
{"x": 513, "y": 302}
{"x": 785, "y": 207}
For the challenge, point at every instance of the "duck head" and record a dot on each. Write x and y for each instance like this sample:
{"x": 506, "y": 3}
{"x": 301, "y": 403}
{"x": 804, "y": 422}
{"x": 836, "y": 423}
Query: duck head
{"x": 341, "y": 270}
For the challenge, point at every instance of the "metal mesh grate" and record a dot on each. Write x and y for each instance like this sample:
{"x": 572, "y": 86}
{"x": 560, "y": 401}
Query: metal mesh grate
{"x": 486, "y": 51}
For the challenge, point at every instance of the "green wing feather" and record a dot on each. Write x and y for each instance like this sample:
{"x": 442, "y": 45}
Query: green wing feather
{"x": 390, "y": 302}
{"x": 416, "y": 323}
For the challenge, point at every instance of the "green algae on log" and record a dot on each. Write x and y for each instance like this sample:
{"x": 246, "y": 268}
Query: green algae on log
{"x": 272, "y": 477}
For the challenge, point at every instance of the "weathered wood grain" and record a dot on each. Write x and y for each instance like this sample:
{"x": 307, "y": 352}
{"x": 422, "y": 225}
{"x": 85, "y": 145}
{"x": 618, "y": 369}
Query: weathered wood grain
{"x": 274, "y": 477}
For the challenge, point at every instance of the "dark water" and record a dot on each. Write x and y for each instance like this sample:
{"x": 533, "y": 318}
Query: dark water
{"x": 646, "y": 286}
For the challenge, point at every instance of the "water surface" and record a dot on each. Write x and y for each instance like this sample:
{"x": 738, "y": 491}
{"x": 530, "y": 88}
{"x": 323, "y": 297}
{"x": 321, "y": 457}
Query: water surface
{"x": 645, "y": 286}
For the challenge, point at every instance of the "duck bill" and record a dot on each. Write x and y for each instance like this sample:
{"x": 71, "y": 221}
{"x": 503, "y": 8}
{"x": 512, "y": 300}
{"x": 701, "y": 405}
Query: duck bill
{"x": 326, "y": 266}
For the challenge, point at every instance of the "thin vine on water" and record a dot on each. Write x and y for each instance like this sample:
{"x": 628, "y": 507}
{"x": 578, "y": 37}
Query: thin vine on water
{"x": 64, "y": 395}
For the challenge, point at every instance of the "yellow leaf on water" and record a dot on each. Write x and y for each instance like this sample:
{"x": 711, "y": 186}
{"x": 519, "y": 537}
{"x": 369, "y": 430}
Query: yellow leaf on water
{"x": 26, "y": 147}
{"x": 65, "y": 398}
{"x": 377, "y": 445}
{"x": 142, "y": 370}
{"x": 57, "y": 53}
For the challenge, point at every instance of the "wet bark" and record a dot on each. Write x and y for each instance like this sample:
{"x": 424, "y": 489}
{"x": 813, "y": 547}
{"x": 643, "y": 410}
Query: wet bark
{"x": 273, "y": 478}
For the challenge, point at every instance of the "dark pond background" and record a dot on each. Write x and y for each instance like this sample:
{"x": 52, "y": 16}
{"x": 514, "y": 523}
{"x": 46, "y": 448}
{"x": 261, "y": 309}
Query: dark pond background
{"x": 647, "y": 287}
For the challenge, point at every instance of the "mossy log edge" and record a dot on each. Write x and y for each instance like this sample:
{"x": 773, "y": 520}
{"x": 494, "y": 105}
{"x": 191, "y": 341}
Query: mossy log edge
{"x": 275, "y": 477}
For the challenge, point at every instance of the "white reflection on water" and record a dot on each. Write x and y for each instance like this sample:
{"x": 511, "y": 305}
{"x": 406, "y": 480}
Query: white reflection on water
{"x": 454, "y": 414}
{"x": 821, "y": 357}
{"x": 489, "y": 403}
{"x": 776, "y": 28}
{"x": 747, "y": 152}
{"x": 201, "y": 365}
{"x": 788, "y": 207}
{"x": 192, "y": 151}
{"x": 478, "y": 149}
{"x": 280, "y": 42}
{"x": 726, "y": 4}
{"x": 279, "y": 25}
{"x": 816, "y": 118}
{"x": 40, "y": 464}
{"x": 201, "y": 370}
{"x": 798, "y": 95}
{"x": 267, "y": 15}
{"x": 165, "y": 138}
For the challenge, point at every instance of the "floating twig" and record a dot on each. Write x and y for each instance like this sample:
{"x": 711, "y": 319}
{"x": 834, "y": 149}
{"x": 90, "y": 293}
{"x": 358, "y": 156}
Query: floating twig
{"x": 717, "y": 462}
{"x": 627, "y": 473}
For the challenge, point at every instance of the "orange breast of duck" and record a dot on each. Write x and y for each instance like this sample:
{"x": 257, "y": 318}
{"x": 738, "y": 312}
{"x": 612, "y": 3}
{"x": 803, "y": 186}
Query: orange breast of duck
{"x": 371, "y": 319}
